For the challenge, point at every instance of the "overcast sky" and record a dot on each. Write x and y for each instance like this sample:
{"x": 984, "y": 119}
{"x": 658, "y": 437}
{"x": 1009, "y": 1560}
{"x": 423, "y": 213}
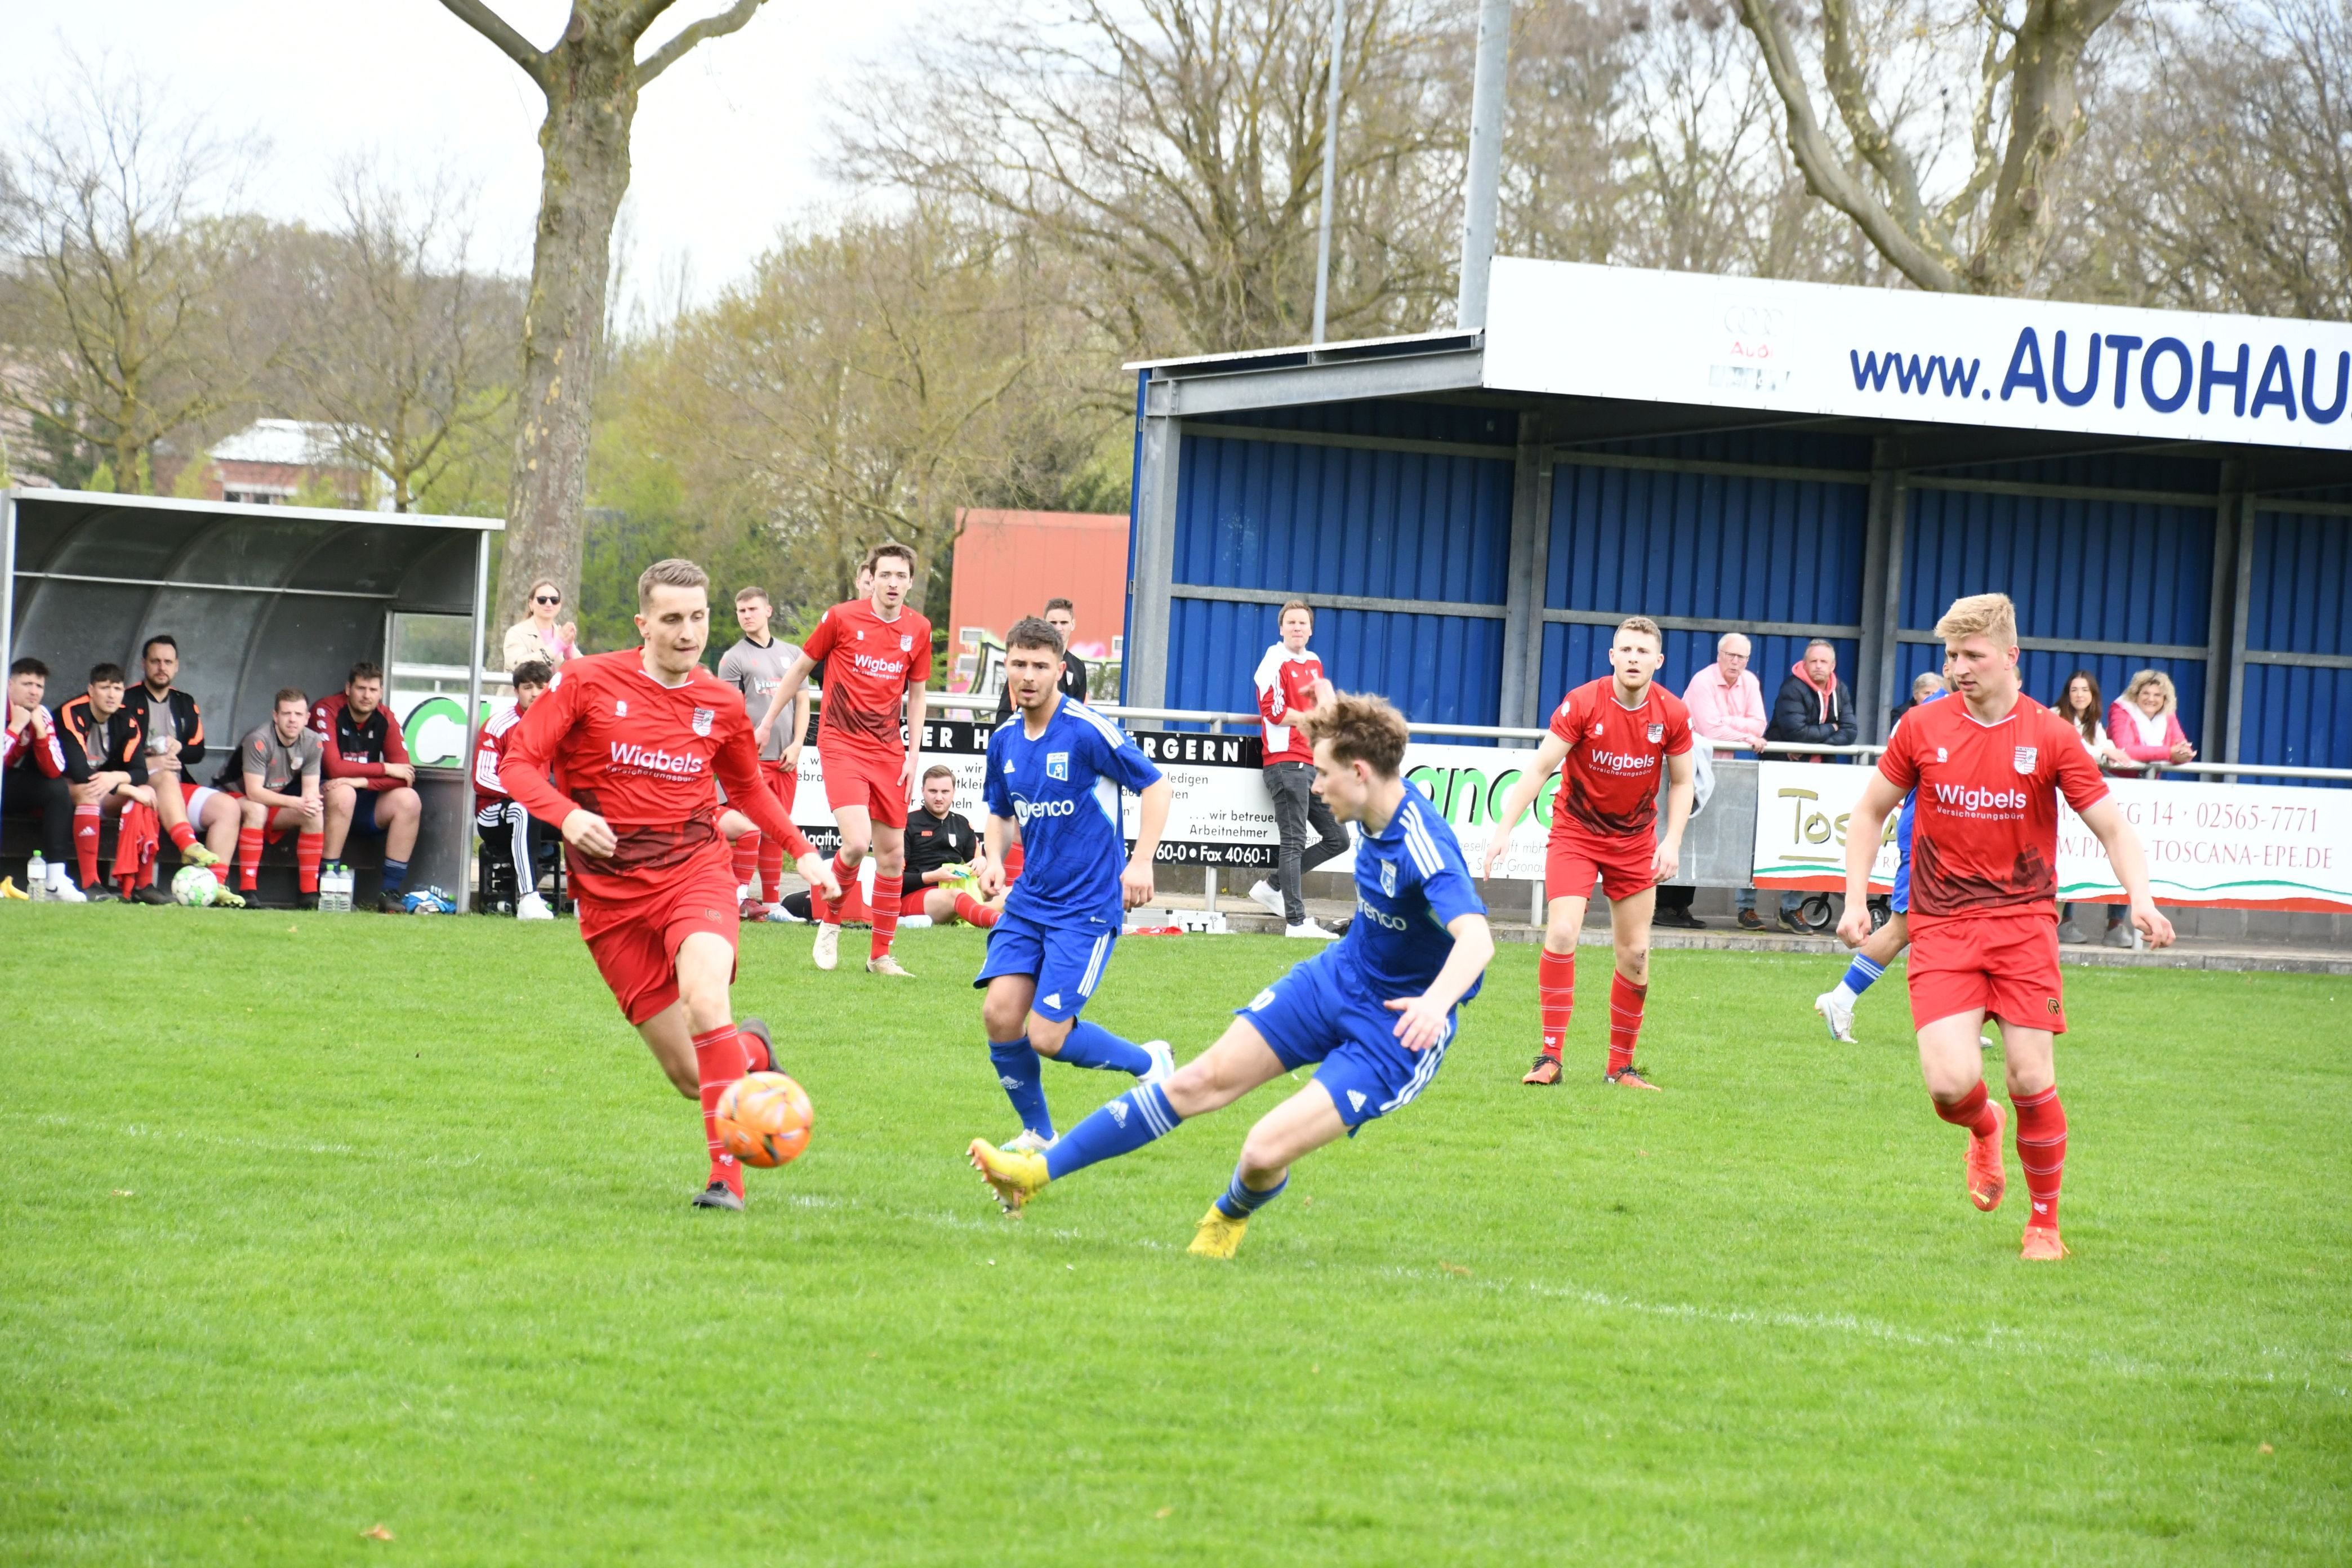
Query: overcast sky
{"x": 726, "y": 146}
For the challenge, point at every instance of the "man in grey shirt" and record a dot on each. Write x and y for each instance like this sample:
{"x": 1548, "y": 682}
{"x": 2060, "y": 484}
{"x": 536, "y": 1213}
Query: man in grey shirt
{"x": 755, "y": 666}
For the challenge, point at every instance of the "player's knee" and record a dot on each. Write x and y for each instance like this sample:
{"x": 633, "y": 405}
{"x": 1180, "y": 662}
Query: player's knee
{"x": 252, "y": 813}
{"x": 1047, "y": 1035}
{"x": 1002, "y": 1018}
{"x": 1633, "y": 964}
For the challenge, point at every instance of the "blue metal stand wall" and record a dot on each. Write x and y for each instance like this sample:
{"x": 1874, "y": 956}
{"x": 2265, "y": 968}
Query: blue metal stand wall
{"x": 2294, "y": 702}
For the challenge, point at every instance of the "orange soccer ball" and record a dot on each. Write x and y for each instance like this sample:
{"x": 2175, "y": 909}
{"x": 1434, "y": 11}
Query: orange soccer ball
{"x": 764, "y": 1120}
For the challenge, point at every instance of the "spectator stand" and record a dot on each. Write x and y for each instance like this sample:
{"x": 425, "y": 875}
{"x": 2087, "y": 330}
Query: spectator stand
{"x": 258, "y": 597}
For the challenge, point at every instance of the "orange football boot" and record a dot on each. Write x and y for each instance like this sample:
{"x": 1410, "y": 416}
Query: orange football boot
{"x": 1545, "y": 1071}
{"x": 1987, "y": 1180}
{"x": 2043, "y": 1245}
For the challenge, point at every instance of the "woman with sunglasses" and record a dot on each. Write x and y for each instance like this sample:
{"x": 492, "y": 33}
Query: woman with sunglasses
{"x": 537, "y": 635}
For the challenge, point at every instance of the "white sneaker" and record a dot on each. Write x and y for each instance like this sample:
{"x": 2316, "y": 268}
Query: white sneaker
{"x": 886, "y": 964}
{"x": 1837, "y": 1014}
{"x": 914, "y": 922}
{"x": 1163, "y": 1062}
{"x": 66, "y": 893}
{"x": 533, "y": 907}
{"x": 1309, "y": 929}
{"x": 779, "y": 915}
{"x": 826, "y": 953}
{"x": 1028, "y": 1142}
{"x": 1266, "y": 898}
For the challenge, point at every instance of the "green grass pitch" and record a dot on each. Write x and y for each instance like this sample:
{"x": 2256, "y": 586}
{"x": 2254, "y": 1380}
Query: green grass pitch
{"x": 309, "y": 1224}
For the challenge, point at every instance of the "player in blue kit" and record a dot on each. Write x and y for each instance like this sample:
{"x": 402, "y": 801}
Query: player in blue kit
{"x": 1055, "y": 768}
{"x": 1373, "y": 1012}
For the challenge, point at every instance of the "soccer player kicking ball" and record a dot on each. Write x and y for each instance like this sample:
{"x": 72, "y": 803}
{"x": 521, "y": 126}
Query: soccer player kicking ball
{"x": 1988, "y": 769}
{"x": 876, "y": 652}
{"x": 1609, "y": 739}
{"x": 636, "y": 737}
{"x": 1056, "y": 768}
{"x": 1374, "y": 1010}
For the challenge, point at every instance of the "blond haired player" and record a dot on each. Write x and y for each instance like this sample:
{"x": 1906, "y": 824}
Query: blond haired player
{"x": 1608, "y": 741}
{"x": 1989, "y": 769}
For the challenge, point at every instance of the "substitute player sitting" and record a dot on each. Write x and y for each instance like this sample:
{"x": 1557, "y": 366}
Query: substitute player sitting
{"x": 1608, "y": 740}
{"x": 1056, "y": 768}
{"x": 1373, "y": 1013}
{"x": 876, "y": 654}
{"x": 1989, "y": 769}
{"x": 277, "y": 779}
{"x": 637, "y": 736}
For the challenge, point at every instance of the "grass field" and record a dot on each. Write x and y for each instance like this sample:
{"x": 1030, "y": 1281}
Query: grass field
{"x": 309, "y": 1224}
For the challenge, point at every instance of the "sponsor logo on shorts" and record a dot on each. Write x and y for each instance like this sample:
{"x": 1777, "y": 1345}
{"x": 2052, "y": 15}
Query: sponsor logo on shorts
{"x": 2051, "y": 1004}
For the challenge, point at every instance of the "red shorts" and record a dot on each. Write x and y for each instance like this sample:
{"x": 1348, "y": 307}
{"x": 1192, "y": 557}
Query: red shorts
{"x": 871, "y": 781}
{"x": 1575, "y": 860}
{"x": 635, "y": 941}
{"x": 2004, "y": 963}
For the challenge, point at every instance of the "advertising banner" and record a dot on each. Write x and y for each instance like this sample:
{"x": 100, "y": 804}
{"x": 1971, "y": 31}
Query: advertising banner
{"x": 2220, "y": 846}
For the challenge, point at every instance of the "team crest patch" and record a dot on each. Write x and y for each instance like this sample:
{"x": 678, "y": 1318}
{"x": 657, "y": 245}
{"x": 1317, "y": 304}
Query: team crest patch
{"x": 620, "y": 707}
{"x": 1597, "y": 730}
{"x": 1657, "y": 734}
{"x": 702, "y": 718}
{"x": 1388, "y": 878}
{"x": 1057, "y": 765}
{"x": 1943, "y": 755}
{"x": 906, "y": 642}
{"x": 2023, "y": 758}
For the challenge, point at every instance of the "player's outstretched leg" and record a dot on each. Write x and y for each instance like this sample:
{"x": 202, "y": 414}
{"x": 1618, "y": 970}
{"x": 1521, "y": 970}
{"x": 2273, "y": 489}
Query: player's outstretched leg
{"x": 1628, "y": 987}
{"x": 1299, "y": 1125}
{"x": 1555, "y": 985}
{"x": 696, "y": 1040}
{"x": 1952, "y": 1065}
{"x": 1237, "y": 1063}
{"x": 1870, "y": 962}
{"x": 2041, "y": 1136}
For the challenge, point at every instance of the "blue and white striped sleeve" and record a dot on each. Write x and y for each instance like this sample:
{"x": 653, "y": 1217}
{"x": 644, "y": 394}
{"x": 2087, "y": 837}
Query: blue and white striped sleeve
{"x": 1435, "y": 856}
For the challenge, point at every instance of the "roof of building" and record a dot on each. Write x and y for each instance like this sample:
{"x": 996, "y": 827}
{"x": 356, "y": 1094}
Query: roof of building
{"x": 296, "y": 443}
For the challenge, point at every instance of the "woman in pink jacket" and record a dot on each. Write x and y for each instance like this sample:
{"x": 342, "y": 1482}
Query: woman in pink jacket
{"x": 2145, "y": 722}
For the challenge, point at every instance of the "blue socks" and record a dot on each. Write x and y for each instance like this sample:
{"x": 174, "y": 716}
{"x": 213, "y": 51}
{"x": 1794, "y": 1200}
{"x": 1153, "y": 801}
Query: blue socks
{"x": 1121, "y": 1127}
{"x": 396, "y": 875}
{"x": 1240, "y": 1202}
{"x": 1859, "y": 976}
{"x": 1092, "y": 1045}
{"x": 1023, "y": 1076}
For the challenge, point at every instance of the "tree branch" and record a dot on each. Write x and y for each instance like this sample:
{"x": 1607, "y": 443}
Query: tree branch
{"x": 513, "y": 45}
{"x": 669, "y": 55}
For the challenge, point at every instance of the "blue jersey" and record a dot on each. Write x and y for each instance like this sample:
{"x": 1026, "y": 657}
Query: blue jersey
{"x": 1910, "y": 804}
{"x": 1411, "y": 884}
{"x": 1062, "y": 788}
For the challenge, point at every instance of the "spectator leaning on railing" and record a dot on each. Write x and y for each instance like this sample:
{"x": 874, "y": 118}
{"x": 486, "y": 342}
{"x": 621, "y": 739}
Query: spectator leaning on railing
{"x": 1814, "y": 708}
{"x": 1727, "y": 704}
{"x": 2078, "y": 704}
{"x": 2146, "y": 724}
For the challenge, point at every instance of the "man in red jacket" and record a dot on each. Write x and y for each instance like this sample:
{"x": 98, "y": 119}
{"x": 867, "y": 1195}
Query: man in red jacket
{"x": 369, "y": 776}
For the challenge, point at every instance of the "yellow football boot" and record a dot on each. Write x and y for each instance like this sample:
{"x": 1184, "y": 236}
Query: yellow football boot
{"x": 1218, "y": 1235}
{"x": 1011, "y": 1175}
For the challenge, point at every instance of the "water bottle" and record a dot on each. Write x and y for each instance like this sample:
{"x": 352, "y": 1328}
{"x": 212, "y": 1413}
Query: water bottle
{"x": 335, "y": 889}
{"x": 36, "y": 872}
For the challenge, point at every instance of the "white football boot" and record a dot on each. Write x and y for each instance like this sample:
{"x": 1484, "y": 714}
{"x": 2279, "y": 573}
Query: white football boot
{"x": 1837, "y": 1014}
{"x": 826, "y": 953}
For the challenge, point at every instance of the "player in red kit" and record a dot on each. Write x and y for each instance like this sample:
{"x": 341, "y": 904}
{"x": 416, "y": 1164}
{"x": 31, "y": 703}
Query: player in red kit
{"x": 876, "y": 654}
{"x": 1610, "y": 740}
{"x": 636, "y": 738}
{"x": 1988, "y": 769}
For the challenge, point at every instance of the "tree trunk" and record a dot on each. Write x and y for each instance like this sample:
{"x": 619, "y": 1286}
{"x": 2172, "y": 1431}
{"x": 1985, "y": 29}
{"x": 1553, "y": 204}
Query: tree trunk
{"x": 2046, "y": 117}
{"x": 591, "y": 99}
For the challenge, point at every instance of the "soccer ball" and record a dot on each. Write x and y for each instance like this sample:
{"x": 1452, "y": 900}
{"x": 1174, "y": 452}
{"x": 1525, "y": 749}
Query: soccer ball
{"x": 195, "y": 886}
{"x": 764, "y": 1120}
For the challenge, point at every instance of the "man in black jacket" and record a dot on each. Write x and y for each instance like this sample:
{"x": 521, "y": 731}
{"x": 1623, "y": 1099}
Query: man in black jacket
{"x": 1063, "y": 617}
{"x": 172, "y": 734}
{"x": 1816, "y": 709}
{"x": 105, "y": 770}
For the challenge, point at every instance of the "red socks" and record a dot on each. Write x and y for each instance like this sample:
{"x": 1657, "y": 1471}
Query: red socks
{"x": 2041, "y": 1150}
{"x": 184, "y": 837}
{"x": 971, "y": 911}
{"x": 772, "y": 869}
{"x": 718, "y": 1061}
{"x": 1625, "y": 1000}
{"x": 1555, "y": 991}
{"x": 307, "y": 847}
{"x": 826, "y": 912}
{"x": 88, "y": 824}
{"x": 1974, "y": 1111}
{"x": 248, "y": 859}
{"x": 886, "y": 901}
{"x": 746, "y": 860}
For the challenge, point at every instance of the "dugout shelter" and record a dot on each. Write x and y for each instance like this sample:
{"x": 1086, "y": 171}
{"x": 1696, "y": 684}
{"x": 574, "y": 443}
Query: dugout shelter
{"x": 1472, "y": 512}
{"x": 258, "y": 598}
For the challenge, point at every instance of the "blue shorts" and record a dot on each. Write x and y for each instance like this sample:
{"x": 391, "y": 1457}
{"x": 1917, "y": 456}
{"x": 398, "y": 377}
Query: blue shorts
{"x": 363, "y": 814}
{"x": 1067, "y": 961}
{"x": 1321, "y": 1013}
{"x": 1901, "y": 903}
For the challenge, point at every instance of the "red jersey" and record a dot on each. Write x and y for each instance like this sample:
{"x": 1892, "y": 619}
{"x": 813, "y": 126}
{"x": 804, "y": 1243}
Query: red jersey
{"x": 487, "y": 790}
{"x": 1286, "y": 680}
{"x": 869, "y": 663}
{"x": 37, "y": 742}
{"x": 1984, "y": 835}
{"x": 1609, "y": 783}
{"x": 359, "y": 749}
{"x": 642, "y": 756}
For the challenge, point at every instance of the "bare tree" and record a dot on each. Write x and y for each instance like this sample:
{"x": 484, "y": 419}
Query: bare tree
{"x": 1887, "y": 74}
{"x": 1174, "y": 150}
{"x": 126, "y": 310}
{"x": 406, "y": 350}
{"x": 591, "y": 78}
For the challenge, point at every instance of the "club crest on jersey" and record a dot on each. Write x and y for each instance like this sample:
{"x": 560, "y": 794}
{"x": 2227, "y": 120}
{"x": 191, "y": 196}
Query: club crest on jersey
{"x": 1057, "y": 765}
{"x": 1943, "y": 755}
{"x": 620, "y": 707}
{"x": 702, "y": 718}
{"x": 906, "y": 642}
{"x": 1597, "y": 730}
{"x": 2022, "y": 761}
{"x": 1388, "y": 878}
{"x": 1657, "y": 734}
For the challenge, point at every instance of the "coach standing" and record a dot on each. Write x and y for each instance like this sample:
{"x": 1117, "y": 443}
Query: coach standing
{"x": 1290, "y": 685}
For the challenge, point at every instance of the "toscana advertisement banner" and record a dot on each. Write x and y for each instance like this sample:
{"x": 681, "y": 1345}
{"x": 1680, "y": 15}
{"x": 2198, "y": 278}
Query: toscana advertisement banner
{"x": 2222, "y": 846}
